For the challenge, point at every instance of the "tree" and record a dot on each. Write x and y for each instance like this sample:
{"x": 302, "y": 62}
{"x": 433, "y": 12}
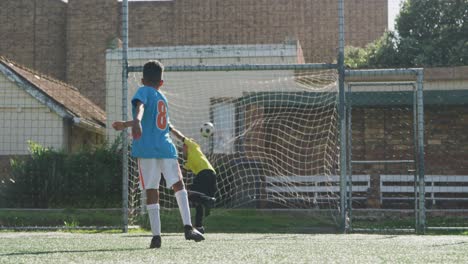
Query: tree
{"x": 381, "y": 53}
{"x": 428, "y": 33}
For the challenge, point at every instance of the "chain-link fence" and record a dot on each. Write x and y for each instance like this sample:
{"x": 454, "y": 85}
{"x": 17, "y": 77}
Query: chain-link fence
{"x": 270, "y": 76}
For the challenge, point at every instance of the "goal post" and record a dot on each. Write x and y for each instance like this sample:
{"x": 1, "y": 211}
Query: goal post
{"x": 275, "y": 141}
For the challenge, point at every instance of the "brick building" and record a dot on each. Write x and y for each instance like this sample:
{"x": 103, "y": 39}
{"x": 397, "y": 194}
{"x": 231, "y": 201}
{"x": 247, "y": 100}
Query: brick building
{"x": 68, "y": 40}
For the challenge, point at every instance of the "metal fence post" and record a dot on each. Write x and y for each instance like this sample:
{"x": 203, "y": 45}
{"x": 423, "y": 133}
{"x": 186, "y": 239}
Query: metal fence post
{"x": 124, "y": 116}
{"x": 342, "y": 114}
{"x": 421, "y": 172}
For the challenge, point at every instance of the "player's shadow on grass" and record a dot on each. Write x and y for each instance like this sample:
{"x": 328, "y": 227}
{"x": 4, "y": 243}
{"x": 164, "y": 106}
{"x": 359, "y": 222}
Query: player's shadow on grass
{"x": 450, "y": 244}
{"x": 71, "y": 251}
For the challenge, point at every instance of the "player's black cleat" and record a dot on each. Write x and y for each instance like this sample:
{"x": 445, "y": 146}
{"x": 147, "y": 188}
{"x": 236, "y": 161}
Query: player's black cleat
{"x": 192, "y": 234}
{"x": 200, "y": 229}
{"x": 155, "y": 242}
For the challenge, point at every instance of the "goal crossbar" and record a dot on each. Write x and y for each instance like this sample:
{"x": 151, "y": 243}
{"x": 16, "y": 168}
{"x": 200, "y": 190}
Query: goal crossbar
{"x": 242, "y": 67}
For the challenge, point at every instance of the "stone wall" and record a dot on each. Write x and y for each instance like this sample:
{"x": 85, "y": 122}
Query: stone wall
{"x": 384, "y": 133}
{"x": 446, "y": 140}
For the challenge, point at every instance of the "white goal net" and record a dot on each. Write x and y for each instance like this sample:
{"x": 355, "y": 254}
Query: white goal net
{"x": 275, "y": 143}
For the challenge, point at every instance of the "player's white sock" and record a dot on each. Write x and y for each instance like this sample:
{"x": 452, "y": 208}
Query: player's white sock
{"x": 155, "y": 222}
{"x": 182, "y": 201}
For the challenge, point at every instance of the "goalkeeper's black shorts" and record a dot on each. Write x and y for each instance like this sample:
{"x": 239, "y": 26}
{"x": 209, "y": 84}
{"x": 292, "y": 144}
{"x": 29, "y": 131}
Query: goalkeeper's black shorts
{"x": 205, "y": 182}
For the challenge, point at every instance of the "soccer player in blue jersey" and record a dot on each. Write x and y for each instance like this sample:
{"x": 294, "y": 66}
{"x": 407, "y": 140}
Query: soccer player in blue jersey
{"x": 155, "y": 151}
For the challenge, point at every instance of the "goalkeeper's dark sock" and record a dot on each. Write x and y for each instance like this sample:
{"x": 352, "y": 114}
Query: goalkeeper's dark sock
{"x": 199, "y": 215}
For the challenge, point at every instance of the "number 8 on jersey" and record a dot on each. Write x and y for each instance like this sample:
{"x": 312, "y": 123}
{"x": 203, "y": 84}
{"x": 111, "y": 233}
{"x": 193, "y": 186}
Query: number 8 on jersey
{"x": 161, "y": 118}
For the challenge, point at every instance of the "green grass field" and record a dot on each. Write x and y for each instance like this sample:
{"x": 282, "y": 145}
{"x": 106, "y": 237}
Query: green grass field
{"x": 234, "y": 236}
{"x": 220, "y": 220}
{"x": 224, "y": 221}
{"x": 65, "y": 247}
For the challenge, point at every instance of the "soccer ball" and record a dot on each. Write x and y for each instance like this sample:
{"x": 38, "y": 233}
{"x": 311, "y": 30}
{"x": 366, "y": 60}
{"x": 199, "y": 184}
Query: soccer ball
{"x": 207, "y": 129}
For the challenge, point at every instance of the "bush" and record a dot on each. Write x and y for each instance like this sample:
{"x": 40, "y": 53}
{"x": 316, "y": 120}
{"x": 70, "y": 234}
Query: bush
{"x": 48, "y": 178}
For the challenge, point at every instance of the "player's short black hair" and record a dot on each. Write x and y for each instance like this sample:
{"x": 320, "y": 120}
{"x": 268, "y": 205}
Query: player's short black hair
{"x": 153, "y": 71}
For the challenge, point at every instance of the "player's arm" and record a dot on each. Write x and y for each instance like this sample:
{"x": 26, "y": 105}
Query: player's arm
{"x": 136, "y": 122}
{"x": 121, "y": 125}
{"x": 176, "y": 133}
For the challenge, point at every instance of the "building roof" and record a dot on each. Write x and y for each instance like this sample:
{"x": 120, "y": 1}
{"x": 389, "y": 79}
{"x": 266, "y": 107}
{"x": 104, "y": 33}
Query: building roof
{"x": 60, "y": 97}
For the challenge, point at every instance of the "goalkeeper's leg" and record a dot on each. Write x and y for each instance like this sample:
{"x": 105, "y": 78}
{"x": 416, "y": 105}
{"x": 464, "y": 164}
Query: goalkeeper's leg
{"x": 201, "y": 198}
{"x": 199, "y": 218}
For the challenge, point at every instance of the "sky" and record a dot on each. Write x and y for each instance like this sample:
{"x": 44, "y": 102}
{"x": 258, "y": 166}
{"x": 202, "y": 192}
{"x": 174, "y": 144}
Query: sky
{"x": 393, "y": 9}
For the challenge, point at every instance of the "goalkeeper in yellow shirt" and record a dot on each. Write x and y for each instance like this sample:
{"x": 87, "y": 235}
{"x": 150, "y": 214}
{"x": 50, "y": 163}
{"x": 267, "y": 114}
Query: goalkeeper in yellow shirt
{"x": 201, "y": 192}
